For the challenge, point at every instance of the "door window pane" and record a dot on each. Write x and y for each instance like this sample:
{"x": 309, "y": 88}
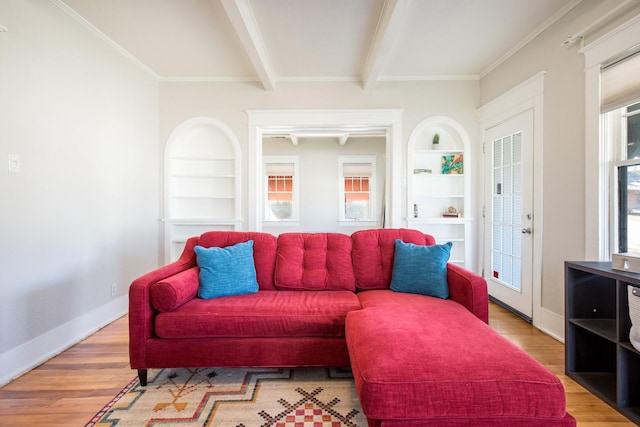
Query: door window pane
{"x": 507, "y": 210}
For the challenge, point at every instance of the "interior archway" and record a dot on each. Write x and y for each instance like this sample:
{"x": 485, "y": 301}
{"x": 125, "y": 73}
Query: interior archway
{"x": 201, "y": 182}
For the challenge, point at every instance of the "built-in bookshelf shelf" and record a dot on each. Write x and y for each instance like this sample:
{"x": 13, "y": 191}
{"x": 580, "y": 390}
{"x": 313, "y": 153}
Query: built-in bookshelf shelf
{"x": 202, "y": 182}
{"x": 435, "y": 184}
{"x": 598, "y": 353}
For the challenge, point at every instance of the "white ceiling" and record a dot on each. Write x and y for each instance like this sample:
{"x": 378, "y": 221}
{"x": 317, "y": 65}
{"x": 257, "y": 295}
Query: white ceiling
{"x": 272, "y": 41}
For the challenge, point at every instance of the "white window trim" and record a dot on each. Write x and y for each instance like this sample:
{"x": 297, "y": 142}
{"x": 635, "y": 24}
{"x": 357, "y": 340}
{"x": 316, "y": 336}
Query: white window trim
{"x": 598, "y": 154}
{"x": 611, "y": 132}
{"x": 373, "y": 213}
{"x": 295, "y": 220}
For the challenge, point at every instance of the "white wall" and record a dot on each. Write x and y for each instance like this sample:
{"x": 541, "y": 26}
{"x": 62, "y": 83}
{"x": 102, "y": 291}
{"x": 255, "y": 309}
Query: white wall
{"x": 564, "y": 139}
{"x": 83, "y": 212}
{"x": 228, "y": 102}
{"x": 318, "y": 170}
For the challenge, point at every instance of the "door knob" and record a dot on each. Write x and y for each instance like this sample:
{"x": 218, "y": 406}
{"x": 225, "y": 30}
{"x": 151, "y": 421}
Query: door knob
{"x": 526, "y": 230}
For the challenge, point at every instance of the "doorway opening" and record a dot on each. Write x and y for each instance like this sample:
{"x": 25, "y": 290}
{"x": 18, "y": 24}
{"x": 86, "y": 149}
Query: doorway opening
{"x": 336, "y": 124}
{"x": 526, "y": 99}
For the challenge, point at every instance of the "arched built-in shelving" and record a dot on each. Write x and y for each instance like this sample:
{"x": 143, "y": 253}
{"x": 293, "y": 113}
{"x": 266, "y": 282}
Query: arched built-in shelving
{"x": 431, "y": 191}
{"x": 201, "y": 182}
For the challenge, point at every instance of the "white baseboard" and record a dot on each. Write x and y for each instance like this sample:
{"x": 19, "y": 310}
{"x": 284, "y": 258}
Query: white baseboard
{"x": 551, "y": 324}
{"x": 27, "y": 356}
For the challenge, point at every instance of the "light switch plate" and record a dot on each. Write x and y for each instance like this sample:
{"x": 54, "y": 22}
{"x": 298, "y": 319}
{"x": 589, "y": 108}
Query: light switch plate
{"x": 15, "y": 165}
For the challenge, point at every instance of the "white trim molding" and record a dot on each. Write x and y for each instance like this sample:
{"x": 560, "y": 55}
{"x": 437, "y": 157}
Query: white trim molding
{"x": 525, "y": 96}
{"x": 551, "y": 324}
{"x": 108, "y": 40}
{"x": 27, "y": 356}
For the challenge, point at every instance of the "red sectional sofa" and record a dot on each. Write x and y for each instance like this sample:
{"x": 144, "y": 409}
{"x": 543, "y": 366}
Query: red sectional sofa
{"x": 324, "y": 300}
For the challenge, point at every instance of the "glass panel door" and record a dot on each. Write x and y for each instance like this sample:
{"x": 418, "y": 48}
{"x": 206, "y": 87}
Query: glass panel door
{"x": 507, "y": 209}
{"x": 508, "y": 263}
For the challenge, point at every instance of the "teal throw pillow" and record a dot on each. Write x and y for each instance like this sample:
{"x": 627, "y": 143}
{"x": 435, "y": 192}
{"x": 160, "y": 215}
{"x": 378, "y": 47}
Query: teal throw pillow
{"x": 419, "y": 269}
{"x": 226, "y": 271}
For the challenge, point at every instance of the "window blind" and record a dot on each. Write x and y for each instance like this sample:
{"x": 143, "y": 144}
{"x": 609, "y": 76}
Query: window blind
{"x": 620, "y": 83}
{"x": 279, "y": 169}
{"x": 356, "y": 169}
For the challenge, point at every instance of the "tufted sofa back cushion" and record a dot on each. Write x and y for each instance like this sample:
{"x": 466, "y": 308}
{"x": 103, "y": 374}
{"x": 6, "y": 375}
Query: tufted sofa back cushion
{"x": 373, "y": 254}
{"x": 314, "y": 261}
{"x": 264, "y": 251}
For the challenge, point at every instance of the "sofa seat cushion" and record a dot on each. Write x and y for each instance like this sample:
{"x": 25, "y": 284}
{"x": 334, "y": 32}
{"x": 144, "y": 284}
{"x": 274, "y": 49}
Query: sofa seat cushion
{"x": 388, "y": 298}
{"x": 263, "y": 314}
{"x": 439, "y": 361}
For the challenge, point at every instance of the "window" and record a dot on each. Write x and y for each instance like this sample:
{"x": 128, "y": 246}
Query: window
{"x": 620, "y": 118}
{"x": 623, "y": 137}
{"x": 629, "y": 208}
{"x": 281, "y": 188}
{"x": 357, "y": 188}
{"x": 357, "y": 198}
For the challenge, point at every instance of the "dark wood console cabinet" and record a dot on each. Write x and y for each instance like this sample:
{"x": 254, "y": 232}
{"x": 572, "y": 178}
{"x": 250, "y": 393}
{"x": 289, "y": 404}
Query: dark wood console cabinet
{"x": 598, "y": 354}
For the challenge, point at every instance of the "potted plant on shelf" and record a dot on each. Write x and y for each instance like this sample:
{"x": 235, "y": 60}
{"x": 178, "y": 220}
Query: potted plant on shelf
{"x": 436, "y": 141}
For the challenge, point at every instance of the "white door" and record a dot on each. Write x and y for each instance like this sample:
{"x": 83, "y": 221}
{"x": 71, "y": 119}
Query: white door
{"x": 508, "y": 252}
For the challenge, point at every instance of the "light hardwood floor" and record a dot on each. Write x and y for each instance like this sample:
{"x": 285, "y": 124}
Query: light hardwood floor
{"x": 71, "y": 388}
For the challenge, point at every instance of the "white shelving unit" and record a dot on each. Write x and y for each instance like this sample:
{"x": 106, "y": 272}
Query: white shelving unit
{"x": 430, "y": 192}
{"x": 202, "y": 188}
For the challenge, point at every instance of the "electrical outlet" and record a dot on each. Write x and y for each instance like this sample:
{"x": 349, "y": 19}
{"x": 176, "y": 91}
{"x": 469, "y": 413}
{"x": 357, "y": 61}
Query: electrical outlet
{"x": 114, "y": 289}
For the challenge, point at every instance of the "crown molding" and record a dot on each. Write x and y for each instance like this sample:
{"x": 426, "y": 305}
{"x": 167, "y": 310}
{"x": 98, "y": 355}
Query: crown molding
{"x": 535, "y": 33}
{"x": 102, "y": 36}
{"x": 428, "y": 78}
{"x": 206, "y": 79}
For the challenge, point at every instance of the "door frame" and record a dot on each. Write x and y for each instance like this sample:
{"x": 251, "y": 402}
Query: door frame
{"x": 525, "y": 96}
{"x": 520, "y": 301}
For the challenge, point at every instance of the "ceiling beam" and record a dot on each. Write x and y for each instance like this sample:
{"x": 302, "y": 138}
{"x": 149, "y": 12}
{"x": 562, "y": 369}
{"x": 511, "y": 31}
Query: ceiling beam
{"x": 244, "y": 22}
{"x": 391, "y": 22}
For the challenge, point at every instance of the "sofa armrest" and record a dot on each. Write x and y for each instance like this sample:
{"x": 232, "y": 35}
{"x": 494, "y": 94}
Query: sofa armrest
{"x": 174, "y": 291}
{"x": 469, "y": 289}
{"x": 142, "y": 313}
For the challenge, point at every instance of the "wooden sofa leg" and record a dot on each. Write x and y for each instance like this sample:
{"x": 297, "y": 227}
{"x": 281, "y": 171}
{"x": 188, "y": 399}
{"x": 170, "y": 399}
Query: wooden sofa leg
{"x": 142, "y": 376}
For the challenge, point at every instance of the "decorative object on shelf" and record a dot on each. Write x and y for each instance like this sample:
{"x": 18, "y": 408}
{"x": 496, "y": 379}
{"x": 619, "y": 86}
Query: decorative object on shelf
{"x": 436, "y": 141}
{"x": 416, "y": 171}
{"x": 452, "y": 164}
{"x": 451, "y": 212}
{"x": 634, "y": 315}
{"x": 626, "y": 262}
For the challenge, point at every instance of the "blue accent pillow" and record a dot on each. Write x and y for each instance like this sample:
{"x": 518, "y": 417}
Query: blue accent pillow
{"x": 419, "y": 269}
{"x": 226, "y": 271}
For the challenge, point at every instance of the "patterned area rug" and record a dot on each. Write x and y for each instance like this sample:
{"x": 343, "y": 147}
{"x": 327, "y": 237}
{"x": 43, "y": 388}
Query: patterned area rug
{"x": 309, "y": 397}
